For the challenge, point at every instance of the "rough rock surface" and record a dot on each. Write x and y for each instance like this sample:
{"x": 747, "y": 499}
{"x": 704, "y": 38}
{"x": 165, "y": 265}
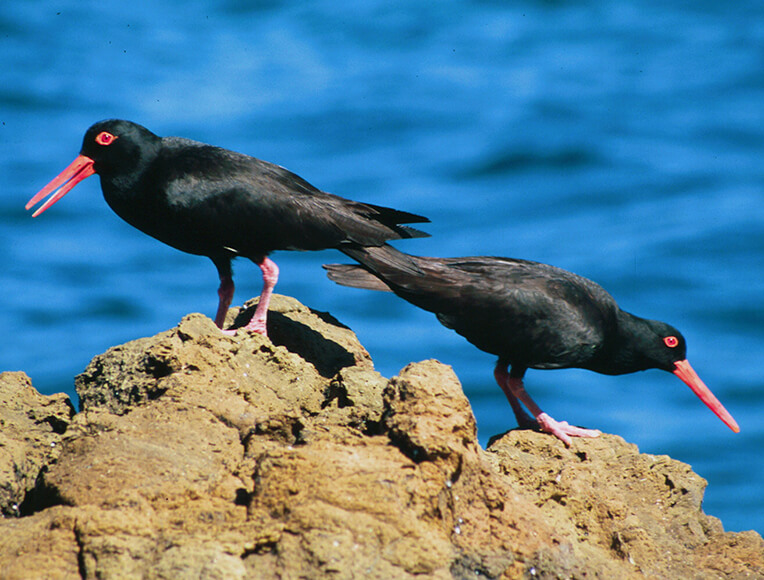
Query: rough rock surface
{"x": 198, "y": 455}
{"x": 30, "y": 435}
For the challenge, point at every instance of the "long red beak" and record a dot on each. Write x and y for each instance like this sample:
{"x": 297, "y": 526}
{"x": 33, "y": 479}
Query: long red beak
{"x": 688, "y": 375}
{"x": 78, "y": 170}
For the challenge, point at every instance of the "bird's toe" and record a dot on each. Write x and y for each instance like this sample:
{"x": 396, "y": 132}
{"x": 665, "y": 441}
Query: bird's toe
{"x": 563, "y": 430}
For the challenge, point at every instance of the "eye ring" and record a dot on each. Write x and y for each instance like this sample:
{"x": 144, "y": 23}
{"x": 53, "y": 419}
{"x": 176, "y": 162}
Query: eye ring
{"x": 105, "y": 138}
{"x": 671, "y": 341}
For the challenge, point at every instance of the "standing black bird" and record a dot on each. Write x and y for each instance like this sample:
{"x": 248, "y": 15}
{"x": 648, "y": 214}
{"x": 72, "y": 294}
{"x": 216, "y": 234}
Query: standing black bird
{"x": 530, "y": 315}
{"x": 221, "y": 204}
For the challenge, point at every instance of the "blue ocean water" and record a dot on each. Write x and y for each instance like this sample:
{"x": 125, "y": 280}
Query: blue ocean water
{"x": 620, "y": 140}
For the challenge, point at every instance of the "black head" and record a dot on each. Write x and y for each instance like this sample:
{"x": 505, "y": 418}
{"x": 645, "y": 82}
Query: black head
{"x": 661, "y": 346}
{"x": 118, "y": 147}
{"x": 648, "y": 344}
{"x": 116, "y": 150}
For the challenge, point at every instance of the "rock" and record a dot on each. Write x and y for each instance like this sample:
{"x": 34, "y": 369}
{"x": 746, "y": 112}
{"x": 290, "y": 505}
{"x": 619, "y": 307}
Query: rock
{"x": 30, "y": 435}
{"x": 199, "y": 455}
{"x": 608, "y": 500}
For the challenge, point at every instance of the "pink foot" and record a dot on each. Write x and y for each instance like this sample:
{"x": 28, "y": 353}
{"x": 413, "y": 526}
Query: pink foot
{"x": 257, "y": 325}
{"x": 563, "y": 430}
{"x": 253, "y": 325}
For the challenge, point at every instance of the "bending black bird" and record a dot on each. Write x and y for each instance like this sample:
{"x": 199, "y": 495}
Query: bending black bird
{"x": 530, "y": 315}
{"x": 221, "y": 204}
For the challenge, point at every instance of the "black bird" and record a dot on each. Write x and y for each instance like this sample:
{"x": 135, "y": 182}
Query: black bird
{"x": 221, "y": 204}
{"x": 530, "y": 315}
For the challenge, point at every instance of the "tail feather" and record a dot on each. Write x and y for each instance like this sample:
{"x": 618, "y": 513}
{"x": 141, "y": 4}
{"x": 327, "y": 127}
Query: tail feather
{"x": 393, "y": 219}
{"x": 396, "y": 216}
{"x": 409, "y": 232}
{"x": 354, "y": 276}
{"x": 379, "y": 267}
{"x": 383, "y": 260}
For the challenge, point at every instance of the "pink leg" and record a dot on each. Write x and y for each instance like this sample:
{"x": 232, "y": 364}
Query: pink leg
{"x": 225, "y": 295}
{"x": 514, "y": 389}
{"x": 270, "y": 277}
{"x": 524, "y": 420}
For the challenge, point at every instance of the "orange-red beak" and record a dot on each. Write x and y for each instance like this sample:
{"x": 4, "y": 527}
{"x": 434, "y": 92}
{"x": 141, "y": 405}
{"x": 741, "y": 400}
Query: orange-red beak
{"x": 688, "y": 375}
{"x": 62, "y": 184}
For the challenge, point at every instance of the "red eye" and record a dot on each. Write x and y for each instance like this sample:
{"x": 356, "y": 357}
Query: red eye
{"x": 104, "y": 138}
{"x": 671, "y": 341}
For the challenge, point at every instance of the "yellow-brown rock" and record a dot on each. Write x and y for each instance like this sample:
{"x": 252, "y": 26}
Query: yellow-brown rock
{"x": 199, "y": 455}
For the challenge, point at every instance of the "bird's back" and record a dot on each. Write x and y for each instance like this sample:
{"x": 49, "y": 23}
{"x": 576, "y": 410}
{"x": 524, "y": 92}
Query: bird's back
{"x": 202, "y": 198}
{"x": 528, "y": 313}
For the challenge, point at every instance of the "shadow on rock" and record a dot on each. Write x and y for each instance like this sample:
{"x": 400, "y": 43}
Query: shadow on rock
{"x": 322, "y": 340}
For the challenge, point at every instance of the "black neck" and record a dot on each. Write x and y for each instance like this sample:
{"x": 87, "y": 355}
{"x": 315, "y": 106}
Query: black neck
{"x": 625, "y": 351}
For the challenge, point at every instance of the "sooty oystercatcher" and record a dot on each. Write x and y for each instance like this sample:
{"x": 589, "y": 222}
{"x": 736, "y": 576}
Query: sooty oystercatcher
{"x": 221, "y": 204}
{"x": 530, "y": 315}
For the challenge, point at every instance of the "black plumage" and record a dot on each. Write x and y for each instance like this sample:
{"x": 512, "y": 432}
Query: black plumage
{"x": 530, "y": 315}
{"x": 213, "y": 202}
